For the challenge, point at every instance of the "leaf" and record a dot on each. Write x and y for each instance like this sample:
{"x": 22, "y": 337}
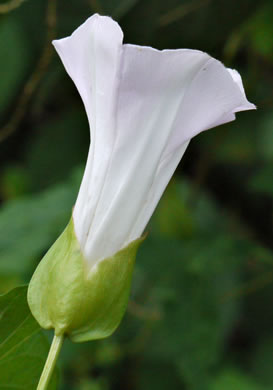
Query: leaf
{"x": 8, "y": 282}
{"x": 237, "y": 144}
{"x": 23, "y": 346}
{"x": 261, "y": 30}
{"x": 68, "y": 132}
{"x": 158, "y": 375}
{"x": 262, "y": 180}
{"x": 14, "y": 182}
{"x": 262, "y": 360}
{"x": 233, "y": 379}
{"x": 266, "y": 137}
{"x": 173, "y": 217}
{"x": 29, "y": 225}
{"x": 114, "y": 8}
{"x": 11, "y": 69}
{"x": 194, "y": 318}
{"x": 192, "y": 283}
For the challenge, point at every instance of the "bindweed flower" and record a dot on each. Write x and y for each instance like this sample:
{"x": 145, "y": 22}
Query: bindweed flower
{"x": 143, "y": 107}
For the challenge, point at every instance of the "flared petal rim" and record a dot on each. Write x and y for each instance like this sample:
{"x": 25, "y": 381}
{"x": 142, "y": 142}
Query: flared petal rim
{"x": 144, "y": 106}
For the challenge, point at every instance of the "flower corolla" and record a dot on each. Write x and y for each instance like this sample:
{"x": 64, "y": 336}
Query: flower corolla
{"x": 143, "y": 107}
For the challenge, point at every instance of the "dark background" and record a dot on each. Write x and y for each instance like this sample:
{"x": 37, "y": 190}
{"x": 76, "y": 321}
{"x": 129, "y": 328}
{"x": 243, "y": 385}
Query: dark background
{"x": 200, "y": 315}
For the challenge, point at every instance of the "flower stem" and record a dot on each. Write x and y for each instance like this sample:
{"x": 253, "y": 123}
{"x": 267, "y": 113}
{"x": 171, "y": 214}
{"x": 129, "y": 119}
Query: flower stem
{"x": 50, "y": 362}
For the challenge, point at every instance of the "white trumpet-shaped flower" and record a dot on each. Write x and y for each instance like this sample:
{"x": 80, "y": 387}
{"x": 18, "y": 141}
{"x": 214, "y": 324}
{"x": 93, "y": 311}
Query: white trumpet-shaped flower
{"x": 143, "y": 107}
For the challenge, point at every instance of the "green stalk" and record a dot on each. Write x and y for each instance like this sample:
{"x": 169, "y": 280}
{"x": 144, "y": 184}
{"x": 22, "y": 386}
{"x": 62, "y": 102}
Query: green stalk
{"x": 55, "y": 348}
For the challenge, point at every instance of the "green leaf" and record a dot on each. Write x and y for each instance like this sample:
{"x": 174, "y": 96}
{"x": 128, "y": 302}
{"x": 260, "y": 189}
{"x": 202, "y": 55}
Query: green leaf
{"x": 237, "y": 143}
{"x": 186, "y": 284}
{"x": 266, "y": 137}
{"x": 158, "y": 375}
{"x": 12, "y": 46}
{"x": 114, "y": 8}
{"x": 262, "y": 180}
{"x": 193, "y": 284}
{"x": 232, "y": 379}
{"x": 261, "y": 30}
{"x": 8, "y": 282}
{"x": 14, "y": 182}
{"x": 69, "y": 131}
{"x": 29, "y": 225}
{"x": 173, "y": 217}
{"x": 262, "y": 360}
{"x": 23, "y": 346}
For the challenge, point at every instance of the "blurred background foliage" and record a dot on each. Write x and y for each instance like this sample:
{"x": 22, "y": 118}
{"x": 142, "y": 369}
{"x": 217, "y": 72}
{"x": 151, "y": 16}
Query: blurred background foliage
{"x": 200, "y": 315}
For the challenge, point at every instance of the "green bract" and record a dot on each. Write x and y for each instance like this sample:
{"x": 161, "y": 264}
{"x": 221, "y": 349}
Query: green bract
{"x": 84, "y": 304}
